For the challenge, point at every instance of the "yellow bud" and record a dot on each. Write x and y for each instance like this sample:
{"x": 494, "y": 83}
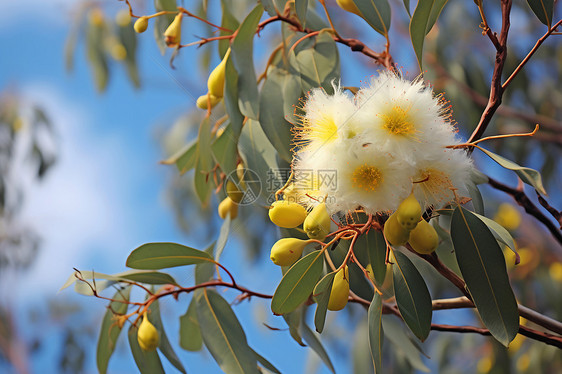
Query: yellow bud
{"x": 172, "y": 35}
{"x": 555, "y": 271}
{"x": 523, "y": 363}
{"x": 240, "y": 173}
{"x": 118, "y": 51}
{"x": 287, "y": 251}
{"x": 286, "y": 214}
{"x": 228, "y": 206}
{"x": 508, "y": 216}
{"x": 203, "y": 101}
{"x": 349, "y": 6}
{"x": 317, "y": 223}
{"x": 215, "y": 83}
{"x": 123, "y": 18}
{"x": 424, "y": 238}
{"x": 96, "y": 17}
{"x": 233, "y": 192}
{"x": 394, "y": 233}
{"x": 147, "y": 335}
{"x": 340, "y": 290}
{"x": 141, "y": 25}
{"x": 370, "y": 271}
{"x": 409, "y": 212}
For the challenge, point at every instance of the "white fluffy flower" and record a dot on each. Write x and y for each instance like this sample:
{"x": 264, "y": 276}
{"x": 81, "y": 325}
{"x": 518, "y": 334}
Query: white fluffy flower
{"x": 403, "y": 117}
{"x": 327, "y": 120}
{"x": 435, "y": 178}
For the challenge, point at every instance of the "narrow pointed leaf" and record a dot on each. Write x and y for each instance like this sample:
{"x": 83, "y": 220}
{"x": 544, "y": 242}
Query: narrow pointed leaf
{"x": 223, "y": 335}
{"x": 297, "y": 283}
{"x": 223, "y": 237}
{"x": 266, "y": 364}
{"x": 321, "y": 295}
{"x": 190, "y": 331}
{"x": 397, "y": 334}
{"x": 147, "y": 362}
{"x": 412, "y": 296}
{"x": 294, "y": 320}
{"x": 527, "y": 175}
{"x": 376, "y": 334}
{"x": 315, "y": 344}
{"x": 500, "y": 233}
{"x": 165, "y": 255}
{"x": 164, "y": 345}
{"x": 110, "y": 331}
{"x": 376, "y": 250}
{"x": 185, "y": 159}
{"x": 301, "y": 6}
{"x": 225, "y": 150}
{"x": 483, "y": 268}
{"x": 543, "y": 9}
{"x": 376, "y": 13}
{"x": 424, "y": 17}
{"x": 202, "y": 178}
{"x": 242, "y": 57}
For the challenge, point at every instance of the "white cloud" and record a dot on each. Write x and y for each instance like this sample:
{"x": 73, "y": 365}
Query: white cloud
{"x": 81, "y": 206}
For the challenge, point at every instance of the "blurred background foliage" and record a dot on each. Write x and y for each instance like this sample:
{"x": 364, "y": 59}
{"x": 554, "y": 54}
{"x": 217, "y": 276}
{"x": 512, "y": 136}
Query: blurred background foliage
{"x": 458, "y": 61}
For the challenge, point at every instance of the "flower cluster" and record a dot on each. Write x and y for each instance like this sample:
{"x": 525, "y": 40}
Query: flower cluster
{"x": 383, "y": 143}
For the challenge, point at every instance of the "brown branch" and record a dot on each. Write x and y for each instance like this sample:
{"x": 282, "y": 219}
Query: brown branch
{"x": 383, "y": 58}
{"x": 496, "y": 90}
{"x": 531, "y": 53}
{"x": 524, "y": 201}
{"x": 555, "y": 213}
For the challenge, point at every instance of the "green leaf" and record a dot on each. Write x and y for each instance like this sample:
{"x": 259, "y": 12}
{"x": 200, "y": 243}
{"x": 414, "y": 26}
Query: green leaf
{"x": 321, "y": 295}
{"x": 483, "y": 268}
{"x": 292, "y": 92}
{"x": 301, "y": 6}
{"x": 499, "y": 232}
{"x": 110, "y": 331}
{"x": 527, "y": 175}
{"x": 147, "y": 362}
{"x": 161, "y": 23}
{"x": 165, "y": 255}
{"x": 358, "y": 283}
{"x": 202, "y": 178}
{"x": 314, "y": 343}
{"x": 185, "y": 159}
{"x": 223, "y": 237}
{"x": 376, "y": 334}
{"x": 164, "y": 344}
{"x": 269, "y": 7}
{"x": 260, "y": 157}
{"x": 225, "y": 150}
{"x": 396, "y": 333}
{"x": 266, "y": 364}
{"x": 407, "y": 6}
{"x": 317, "y": 62}
{"x": 231, "y": 97}
{"x": 128, "y": 37}
{"x": 190, "y": 331}
{"x": 543, "y": 9}
{"x": 205, "y": 271}
{"x": 223, "y": 335}
{"x": 148, "y": 277}
{"x": 412, "y": 296}
{"x": 272, "y": 112}
{"x": 361, "y": 352}
{"x": 376, "y": 13}
{"x": 228, "y": 22}
{"x": 243, "y": 59}
{"x": 297, "y": 283}
{"x": 476, "y": 197}
{"x": 376, "y": 250}
{"x": 424, "y": 17}
{"x": 97, "y": 57}
{"x": 294, "y": 320}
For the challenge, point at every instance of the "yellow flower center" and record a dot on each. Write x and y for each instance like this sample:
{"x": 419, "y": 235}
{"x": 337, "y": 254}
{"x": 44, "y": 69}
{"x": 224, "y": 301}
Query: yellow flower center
{"x": 324, "y": 130}
{"x": 397, "y": 122}
{"x": 435, "y": 184}
{"x": 367, "y": 177}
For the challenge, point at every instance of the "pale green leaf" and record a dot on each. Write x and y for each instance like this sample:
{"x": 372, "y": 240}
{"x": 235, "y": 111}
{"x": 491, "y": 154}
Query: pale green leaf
{"x": 110, "y": 331}
{"x": 164, "y": 344}
{"x": 314, "y": 343}
{"x": 148, "y": 362}
{"x": 202, "y": 178}
{"x": 412, "y": 296}
{"x": 376, "y": 13}
{"x": 165, "y": 255}
{"x": 223, "y": 335}
{"x": 396, "y": 333}
{"x": 190, "y": 331}
{"x": 483, "y": 268}
{"x": 321, "y": 295}
{"x": 376, "y": 334}
{"x": 298, "y": 283}
{"x": 424, "y": 17}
